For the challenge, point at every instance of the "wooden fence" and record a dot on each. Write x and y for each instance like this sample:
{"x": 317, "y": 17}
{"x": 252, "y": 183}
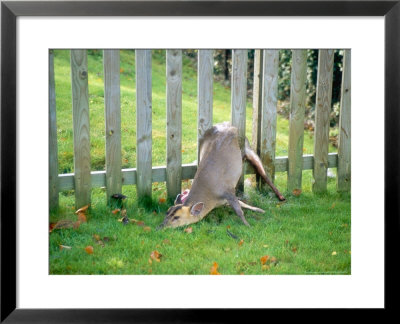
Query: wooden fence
{"x": 266, "y": 64}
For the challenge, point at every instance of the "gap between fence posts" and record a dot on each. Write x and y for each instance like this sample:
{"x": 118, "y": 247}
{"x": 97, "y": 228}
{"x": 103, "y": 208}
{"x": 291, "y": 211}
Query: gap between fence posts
{"x": 257, "y": 105}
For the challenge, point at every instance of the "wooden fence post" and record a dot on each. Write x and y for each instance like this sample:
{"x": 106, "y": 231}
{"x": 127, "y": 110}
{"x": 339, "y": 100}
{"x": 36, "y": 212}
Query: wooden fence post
{"x": 344, "y": 150}
{"x": 53, "y": 149}
{"x": 297, "y": 113}
{"x": 257, "y": 104}
{"x": 174, "y": 122}
{"x": 143, "y": 123}
{"x": 80, "y": 114}
{"x": 112, "y": 122}
{"x": 322, "y": 112}
{"x": 205, "y": 94}
{"x": 238, "y": 102}
{"x": 269, "y": 104}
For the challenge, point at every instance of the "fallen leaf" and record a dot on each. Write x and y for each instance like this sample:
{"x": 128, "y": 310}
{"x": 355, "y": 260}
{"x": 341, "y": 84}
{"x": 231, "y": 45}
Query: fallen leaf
{"x": 273, "y": 260}
{"x": 115, "y": 211}
{"x": 62, "y": 247}
{"x": 214, "y": 269}
{"x": 265, "y": 245}
{"x": 123, "y": 212}
{"x": 333, "y": 206}
{"x": 140, "y": 223}
{"x": 188, "y": 230}
{"x": 294, "y": 249}
{"x": 334, "y": 253}
{"x": 156, "y": 256}
{"x": 96, "y": 237}
{"x": 51, "y": 227}
{"x": 241, "y": 242}
{"x": 161, "y": 200}
{"x": 82, "y": 217}
{"x": 264, "y": 259}
{"x": 296, "y": 192}
{"x": 89, "y": 249}
{"x": 82, "y": 209}
{"x": 146, "y": 229}
{"x": 265, "y": 267}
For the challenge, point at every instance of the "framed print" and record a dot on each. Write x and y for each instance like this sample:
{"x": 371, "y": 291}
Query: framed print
{"x": 71, "y": 144}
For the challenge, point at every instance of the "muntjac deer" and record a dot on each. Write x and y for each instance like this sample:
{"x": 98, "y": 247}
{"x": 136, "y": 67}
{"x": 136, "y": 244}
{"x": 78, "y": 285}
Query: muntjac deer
{"x": 219, "y": 170}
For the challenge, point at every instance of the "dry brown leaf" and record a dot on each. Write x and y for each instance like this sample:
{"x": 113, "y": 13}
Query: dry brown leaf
{"x": 96, "y": 237}
{"x": 188, "y": 230}
{"x": 296, "y": 192}
{"x": 264, "y": 259}
{"x": 140, "y": 223}
{"x": 147, "y": 228}
{"x": 241, "y": 242}
{"x": 214, "y": 269}
{"x": 62, "y": 247}
{"x": 89, "y": 249}
{"x": 162, "y": 200}
{"x": 156, "y": 256}
{"x": 273, "y": 260}
{"x": 116, "y": 211}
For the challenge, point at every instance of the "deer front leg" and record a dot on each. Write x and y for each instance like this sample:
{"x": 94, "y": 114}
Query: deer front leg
{"x": 235, "y": 204}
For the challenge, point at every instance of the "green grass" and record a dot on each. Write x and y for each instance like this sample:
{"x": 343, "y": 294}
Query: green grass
{"x": 302, "y": 234}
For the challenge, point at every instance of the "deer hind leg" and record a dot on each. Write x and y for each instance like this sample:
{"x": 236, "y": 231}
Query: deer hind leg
{"x": 255, "y": 160}
{"x": 235, "y": 204}
{"x": 244, "y": 205}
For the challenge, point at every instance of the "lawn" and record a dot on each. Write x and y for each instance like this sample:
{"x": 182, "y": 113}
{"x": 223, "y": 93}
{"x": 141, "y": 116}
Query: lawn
{"x": 308, "y": 234}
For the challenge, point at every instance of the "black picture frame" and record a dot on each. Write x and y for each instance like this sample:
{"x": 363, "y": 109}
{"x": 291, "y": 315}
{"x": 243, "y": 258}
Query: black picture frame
{"x": 10, "y": 10}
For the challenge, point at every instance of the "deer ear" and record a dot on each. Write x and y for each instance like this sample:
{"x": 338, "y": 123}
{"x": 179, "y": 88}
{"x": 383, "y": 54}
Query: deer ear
{"x": 178, "y": 200}
{"x": 197, "y": 208}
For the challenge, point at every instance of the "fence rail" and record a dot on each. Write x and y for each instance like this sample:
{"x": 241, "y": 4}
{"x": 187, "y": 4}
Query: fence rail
{"x": 266, "y": 65}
